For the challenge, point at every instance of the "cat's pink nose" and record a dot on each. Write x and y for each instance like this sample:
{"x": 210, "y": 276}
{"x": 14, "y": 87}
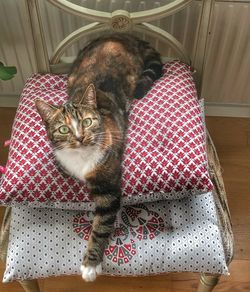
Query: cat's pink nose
{"x": 79, "y": 139}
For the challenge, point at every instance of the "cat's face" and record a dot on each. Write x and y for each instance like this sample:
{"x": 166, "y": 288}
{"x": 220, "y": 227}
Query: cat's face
{"x": 72, "y": 125}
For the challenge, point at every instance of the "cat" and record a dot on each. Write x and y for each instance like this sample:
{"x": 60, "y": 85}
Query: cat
{"x": 88, "y": 132}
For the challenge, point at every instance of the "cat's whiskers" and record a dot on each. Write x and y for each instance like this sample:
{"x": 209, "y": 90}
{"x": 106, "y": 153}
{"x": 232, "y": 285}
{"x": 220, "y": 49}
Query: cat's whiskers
{"x": 114, "y": 138}
{"x": 65, "y": 145}
{"x": 60, "y": 147}
{"x": 106, "y": 147}
{"x": 111, "y": 132}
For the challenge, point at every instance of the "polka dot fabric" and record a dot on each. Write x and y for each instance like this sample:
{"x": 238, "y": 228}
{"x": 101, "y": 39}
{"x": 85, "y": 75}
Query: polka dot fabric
{"x": 165, "y": 155}
{"x": 171, "y": 236}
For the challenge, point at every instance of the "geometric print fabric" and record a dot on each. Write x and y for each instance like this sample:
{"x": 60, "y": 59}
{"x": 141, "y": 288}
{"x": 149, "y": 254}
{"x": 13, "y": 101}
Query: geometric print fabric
{"x": 152, "y": 238}
{"x": 165, "y": 154}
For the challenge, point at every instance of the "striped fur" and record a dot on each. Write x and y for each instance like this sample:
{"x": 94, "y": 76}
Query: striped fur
{"x": 88, "y": 131}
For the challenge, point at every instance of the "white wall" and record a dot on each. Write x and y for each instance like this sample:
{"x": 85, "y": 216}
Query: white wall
{"x": 227, "y": 71}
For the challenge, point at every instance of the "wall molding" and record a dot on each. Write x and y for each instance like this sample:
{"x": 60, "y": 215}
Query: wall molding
{"x": 227, "y": 110}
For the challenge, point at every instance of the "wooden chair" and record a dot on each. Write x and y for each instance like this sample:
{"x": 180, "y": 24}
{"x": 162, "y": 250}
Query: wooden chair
{"x": 137, "y": 21}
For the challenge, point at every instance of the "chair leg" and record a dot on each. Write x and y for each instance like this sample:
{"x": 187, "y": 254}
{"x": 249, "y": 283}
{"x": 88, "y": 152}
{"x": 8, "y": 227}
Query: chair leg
{"x": 207, "y": 283}
{"x": 30, "y": 285}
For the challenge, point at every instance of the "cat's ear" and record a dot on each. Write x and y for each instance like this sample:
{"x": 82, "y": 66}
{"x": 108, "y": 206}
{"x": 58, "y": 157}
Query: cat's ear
{"x": 46, "y": 110}
{"x": 89, "y": 97}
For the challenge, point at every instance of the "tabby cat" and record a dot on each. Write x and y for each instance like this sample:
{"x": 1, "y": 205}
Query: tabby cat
{"x": 88, "y": 131}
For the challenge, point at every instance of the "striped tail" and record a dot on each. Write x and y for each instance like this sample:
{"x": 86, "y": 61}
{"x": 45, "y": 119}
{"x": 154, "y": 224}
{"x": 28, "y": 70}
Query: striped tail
{"x": 152, "y": 71}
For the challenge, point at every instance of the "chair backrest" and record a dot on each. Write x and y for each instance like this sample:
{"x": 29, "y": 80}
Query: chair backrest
{"x": 118, "y": 21}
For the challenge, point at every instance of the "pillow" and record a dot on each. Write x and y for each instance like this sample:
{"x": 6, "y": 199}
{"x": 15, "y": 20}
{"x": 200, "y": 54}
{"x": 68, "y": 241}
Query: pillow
{"x": 165, "y": 155}
{"x": 152, "y": 238}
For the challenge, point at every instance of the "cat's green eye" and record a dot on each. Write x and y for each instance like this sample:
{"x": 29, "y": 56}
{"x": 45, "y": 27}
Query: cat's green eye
{"x": 64, "y": 130}
{"x": 87, "y": 122}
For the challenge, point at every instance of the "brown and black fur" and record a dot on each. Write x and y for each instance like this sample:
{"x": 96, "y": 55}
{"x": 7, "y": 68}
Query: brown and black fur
{"x": 118, "y": 68}
{"x": 120, "y": 64}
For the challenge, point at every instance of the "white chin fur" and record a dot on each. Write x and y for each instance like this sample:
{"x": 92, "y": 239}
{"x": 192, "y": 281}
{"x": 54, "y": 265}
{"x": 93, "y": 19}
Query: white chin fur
{"x": 79, "y": 161}
{"x": 89, "y": 273}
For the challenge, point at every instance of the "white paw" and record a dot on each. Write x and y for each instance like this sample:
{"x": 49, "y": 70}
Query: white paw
{"x": 89, "y": 273}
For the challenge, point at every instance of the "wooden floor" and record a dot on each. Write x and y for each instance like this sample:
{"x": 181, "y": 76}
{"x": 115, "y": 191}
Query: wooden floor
{"x": 232, "y": 139}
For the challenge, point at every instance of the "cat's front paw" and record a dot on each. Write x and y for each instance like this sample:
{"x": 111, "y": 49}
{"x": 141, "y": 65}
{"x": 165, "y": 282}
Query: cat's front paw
{"x": 89, "y": 273}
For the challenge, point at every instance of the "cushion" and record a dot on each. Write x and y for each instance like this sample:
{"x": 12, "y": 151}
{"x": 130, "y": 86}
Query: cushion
{"x": 165, "y": 155}
{"x": 151, "y": 238}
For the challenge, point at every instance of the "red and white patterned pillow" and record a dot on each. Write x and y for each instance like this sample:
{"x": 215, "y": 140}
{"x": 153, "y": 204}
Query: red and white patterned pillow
{"x": 165, "y": 155}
